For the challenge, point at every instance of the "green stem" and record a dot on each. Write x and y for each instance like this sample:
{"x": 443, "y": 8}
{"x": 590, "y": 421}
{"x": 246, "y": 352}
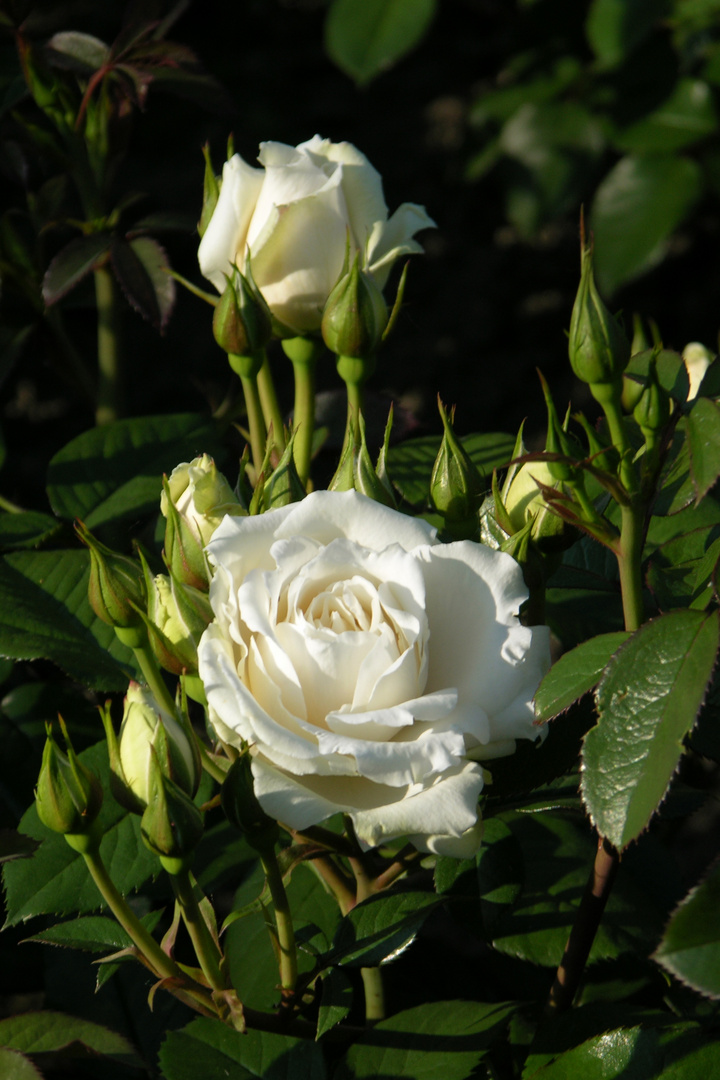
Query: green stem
{"x": 153, "y": 677}
{"x": 109, "y": 388}
{"x": 355, "y": 398}
{"x": 160, "y": 962}
{"x": 371, "y": 976}
{"x": 10, "y": 507}
{"x": 206, "y": 949}
{"x": 256, "y": 420}
{"x": 609, "y": 396}
{"x": 630, "y": 562}
{"x": 283, "y": 922}
{"x": 304, "y": 354}
{"x": 269, "y": 405}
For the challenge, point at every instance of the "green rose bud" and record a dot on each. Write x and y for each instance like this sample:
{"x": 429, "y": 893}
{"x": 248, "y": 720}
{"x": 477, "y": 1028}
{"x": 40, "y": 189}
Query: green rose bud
{"x": 697, "y": 360}
{"x": 652, "y": 411}
{"x": 456, "y": 484}
{"x": 242, "y": 323}
{"x": 171, "y": 825}
{"x": 284, "y": 485}
{"x": 355, "y": 315}
{"x": 150, "y": 738}
{"x": 356, "y": 472}
{"x": 242, "y": 808}
{"x": 68, "y": 795}
{"x": 597, "y": 345}
{"x": 115, "y": 590}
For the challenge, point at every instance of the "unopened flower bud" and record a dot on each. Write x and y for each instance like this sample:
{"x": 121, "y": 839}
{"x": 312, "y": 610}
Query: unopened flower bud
{"x": 171, "y": 825}
{"x": 242, "y": 323}
{"x": 115, "y": 590}
{"x": 355, "y": 315}
{"x": 68, "y": 795}
{"x": 523, "y": 499}
{"x": 150, "y": 738}
{"x": 456, "y": 484}
{"x": 195, "y": 499}
{"x": 241, "y": 805}
{"x": 284, "y": 485}
{"x": 652, "y": 412}
{"x": 356, "y": 472}
{"x": 177, "y": 617}
{"x": 597, "y": 345}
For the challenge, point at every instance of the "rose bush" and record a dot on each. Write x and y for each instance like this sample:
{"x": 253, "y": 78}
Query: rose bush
{"x": 368, "y": 666}
{"x": 295, "y": 215}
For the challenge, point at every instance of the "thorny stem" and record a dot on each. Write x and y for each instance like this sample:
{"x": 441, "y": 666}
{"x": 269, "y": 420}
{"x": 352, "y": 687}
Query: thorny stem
{"x": 602, "y": 876}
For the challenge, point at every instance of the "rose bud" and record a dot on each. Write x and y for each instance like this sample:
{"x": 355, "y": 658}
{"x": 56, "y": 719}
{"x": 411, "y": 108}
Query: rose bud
{"x": 115, "y": 590}
{"x": 697, "y": 360}
{"x": 242, "y": 323}
{"x": 355, "y": 315}
{"x": 68, "y": 795}
{"x": 194, "y": 500}
{"x": 456, "y": 484}
{"x": 150, "y": 738}
{"x": 598, "y": 347}
{"x": 171, "y": 825}
{"x": 177, "y": 615}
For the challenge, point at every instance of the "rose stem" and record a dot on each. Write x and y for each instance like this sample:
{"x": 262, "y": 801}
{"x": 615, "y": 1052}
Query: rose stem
{"x": 602, "y": 876}
{"x": 283, "y": 921}
{"x": 109, "y": 387}
{"x": 269, "y": 405}
{"x": 206, "y": 949}
{"x": 247, "y": 367}
{"x": 304, "y": 354}
{"x": 157, "y": 960}
{"x": 137, "y": 640}
{"x": 371, "y": 976}
{"x": 337, "y": 882}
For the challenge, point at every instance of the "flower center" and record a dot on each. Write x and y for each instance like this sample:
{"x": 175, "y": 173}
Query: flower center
{"x": 344, "y": 606}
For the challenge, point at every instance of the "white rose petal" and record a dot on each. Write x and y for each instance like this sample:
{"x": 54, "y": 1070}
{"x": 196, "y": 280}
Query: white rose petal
{"x": 368, "y": 666}
{"x": 294, "y": 217}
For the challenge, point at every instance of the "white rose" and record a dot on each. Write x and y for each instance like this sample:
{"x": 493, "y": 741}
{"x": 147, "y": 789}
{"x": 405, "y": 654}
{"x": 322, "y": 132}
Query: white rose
{"x": 368, "y": 666}
{"x": 295, "y": 216}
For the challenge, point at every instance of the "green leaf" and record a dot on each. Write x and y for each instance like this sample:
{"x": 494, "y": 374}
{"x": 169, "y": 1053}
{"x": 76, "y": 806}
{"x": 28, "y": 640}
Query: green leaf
{"x": 154, "y": 261}
{"x": 647, "y": 702}
{"x": 56, "y": 880}
{"x": 210, "y": 1050}
{"x": 15, "y": 1066}
{"x": 615, "y": 27}
{"x": 410, "y": 464}
{"x": 336, "y": 1000}
{"x": 440, "y": 1040}
{"x": 500, "y": 872}
{"x": 676, "y": 488}
{"x": 88, "y": 52}
{"x": 575, "y": 673}
{"x": 680, "y": 1052}
{"x": 135, "y": 281}
{"x": 557, "y": 851}
{"x": 379, "y": 928}
{"x": 680, "y": 571}
{"x": 703, "y": 433}
{"x": 25, "y": 530}
{"x": 115, "y": 471}
{"x": 366, "y": 37}
{"x": 74, "y": 262}
{"x": 641, "y": 201}
{"x": 13, "y": 845}
{"x": 92, "y": 933}
{"x": 690, "y": 948}
{"x": 686, "y": 116}
{"x": 42, "y": 1032}
{"x": 669, "y": 368}
{"x": 45, "y": 612}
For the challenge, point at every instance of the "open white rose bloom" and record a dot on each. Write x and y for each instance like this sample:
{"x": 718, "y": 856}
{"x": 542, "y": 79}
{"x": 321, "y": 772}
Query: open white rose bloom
{"x": 369, "y": 667}
{"x": 295, "y": 217}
